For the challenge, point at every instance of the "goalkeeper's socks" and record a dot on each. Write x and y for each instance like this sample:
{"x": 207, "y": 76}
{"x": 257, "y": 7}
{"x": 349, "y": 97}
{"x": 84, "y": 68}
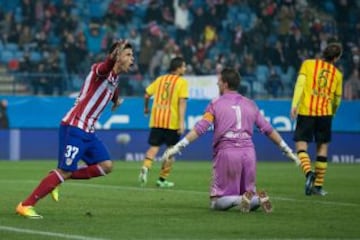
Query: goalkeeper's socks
{"x": 305, "y": 161}
{"x": 320, "y": 170}
{"x": 161, "y": 179}
{"x": 226, "y": 202}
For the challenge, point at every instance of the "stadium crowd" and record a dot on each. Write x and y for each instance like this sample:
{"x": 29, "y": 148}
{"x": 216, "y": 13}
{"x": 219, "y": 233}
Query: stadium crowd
{"x": 266, "y": 40}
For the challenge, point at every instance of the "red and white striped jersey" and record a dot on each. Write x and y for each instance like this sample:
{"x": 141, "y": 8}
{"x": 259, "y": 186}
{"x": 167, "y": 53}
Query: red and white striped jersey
{"x": 100, "y": 86}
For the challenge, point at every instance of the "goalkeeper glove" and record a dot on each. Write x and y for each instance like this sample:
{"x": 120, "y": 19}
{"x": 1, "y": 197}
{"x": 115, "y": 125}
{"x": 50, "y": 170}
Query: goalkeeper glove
{"x": 175, "y": 149}
{"x": 286, "y": 150}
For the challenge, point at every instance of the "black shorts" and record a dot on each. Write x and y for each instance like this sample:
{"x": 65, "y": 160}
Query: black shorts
{"x": 310, "y": 127}
{"x": 159, "y": 136}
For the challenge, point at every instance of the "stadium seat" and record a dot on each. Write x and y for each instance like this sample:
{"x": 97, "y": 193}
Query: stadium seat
{"x": 245, "y": 87}
{"x": 6, "y": 56}
{"x": 259, "y": 90}
{"x": 262, "y": 73}
{"x": 35, "y": 56}
{"x": 18, "y": 54}
{"x": 12, "y": 46}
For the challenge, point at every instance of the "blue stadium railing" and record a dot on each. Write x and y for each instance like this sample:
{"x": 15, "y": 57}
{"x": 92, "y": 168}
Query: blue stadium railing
{"x": 15, "y": 83}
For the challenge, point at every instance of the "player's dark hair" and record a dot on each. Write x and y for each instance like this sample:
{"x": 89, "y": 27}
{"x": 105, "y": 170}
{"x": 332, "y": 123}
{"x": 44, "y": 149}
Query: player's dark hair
{"x": 333, "y": 50}
{"x": 231, "y": 77}
{"x": 116, "y": 44}
{"x": 175, "y": 63}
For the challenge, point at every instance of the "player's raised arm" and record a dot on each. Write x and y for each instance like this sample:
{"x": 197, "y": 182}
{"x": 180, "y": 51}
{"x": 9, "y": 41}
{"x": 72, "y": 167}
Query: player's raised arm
{"x": 107, "y": 65}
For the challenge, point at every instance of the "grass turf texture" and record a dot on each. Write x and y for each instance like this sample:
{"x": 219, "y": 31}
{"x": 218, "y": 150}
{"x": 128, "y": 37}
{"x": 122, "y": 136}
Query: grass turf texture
{"x": 115, "y": 207}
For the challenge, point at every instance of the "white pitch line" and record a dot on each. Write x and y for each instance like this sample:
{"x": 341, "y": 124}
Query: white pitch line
{"x": 200, "y": 192}
{"x": 50, "y": 234}
{"x": 344, "y": 204}
{"x": 77, "y": 237}
{"x": 102, "y": 186}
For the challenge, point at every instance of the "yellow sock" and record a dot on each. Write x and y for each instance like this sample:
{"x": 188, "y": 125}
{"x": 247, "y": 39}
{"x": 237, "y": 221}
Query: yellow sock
{"x": 320, "y": 171}
{"x": 166, "y": 168}
{"x": 305, "y": 161}
{"x": 147, "y": 162}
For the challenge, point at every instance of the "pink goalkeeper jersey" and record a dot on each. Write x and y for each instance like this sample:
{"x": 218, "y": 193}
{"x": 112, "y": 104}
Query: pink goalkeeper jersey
{"x": 234, "y": 117}
{"x": 99, "y": 88}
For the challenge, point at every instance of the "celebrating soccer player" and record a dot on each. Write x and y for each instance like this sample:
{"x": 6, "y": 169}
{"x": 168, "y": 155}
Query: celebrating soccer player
{"x": 77, "y": 140}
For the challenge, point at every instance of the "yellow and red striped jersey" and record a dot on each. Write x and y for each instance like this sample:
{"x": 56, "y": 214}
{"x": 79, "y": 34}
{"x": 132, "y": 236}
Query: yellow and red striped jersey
{"x": 323, "y": 85}
{"x": 167, "y": 91}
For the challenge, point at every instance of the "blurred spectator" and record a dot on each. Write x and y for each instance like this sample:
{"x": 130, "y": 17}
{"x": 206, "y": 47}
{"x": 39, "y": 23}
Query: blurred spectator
{"x": 249, "y": 66}
{"x": 352, "y": 86}
{"x": 41, "y": 41}
{"x": 210, "y": 36}
{"x": 13, "y": 35}
{"x": 286, "y": 19}
{"x": 257, "y": 46}
{"x": 65, "y": 22}
{"x": 196, "y": 66}
{"x": 275, "y": 55}
{"x": 181, "y": 20}
{"x": 153, "y": 12}
{"x": 155, "y": 63}
{"x": 41, "y": 82}
{"x": 151, "y": 40}
{"x": 274, "y": 85}
{"x": 216, "y": 11}
{"x": 26, "y": 65}
{"x": 4, "y": 119}
{"x": 26, "y": 68}
{"x": 94, "y": 35}
{"x": 238, "y": 43}
{"x": 170, "y": 52}
{"x": 268, "y": 9}
{"x": 67, "y": 5}
{"x": 188, "y": 49}
{"x": 135, "y": 40}
{"x": 75, "y": 53}
{"x": 304, "y": 21}
{"x": 28, "y": 12}
{"x": 124, "y": 85}
{"x": 167, "y": 16}
{"x": 295, "y": 43}
{"x": 221, "y": 62}
{"x": 354, "y": 61}
{"x": 201, "y": 52}
{"x": 198, "y": 24}
{"x": 53, "y": 69}
{"x": 26, "y": 37}
{"x": 277, "y": 33}
{"x": 118, "y": 12}
{"x": 208, "y": 68}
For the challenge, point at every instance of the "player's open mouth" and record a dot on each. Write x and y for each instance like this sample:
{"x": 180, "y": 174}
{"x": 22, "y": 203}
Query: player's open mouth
{"x": 131, "y": 67}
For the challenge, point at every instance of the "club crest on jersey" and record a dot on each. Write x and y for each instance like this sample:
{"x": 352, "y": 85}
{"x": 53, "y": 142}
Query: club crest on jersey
{"x": 113, "y": 80}
{"x": 68, "y": 161}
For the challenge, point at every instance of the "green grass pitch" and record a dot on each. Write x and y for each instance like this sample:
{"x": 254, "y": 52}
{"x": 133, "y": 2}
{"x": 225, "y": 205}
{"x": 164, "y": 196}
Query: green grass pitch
{"x": 116, "y": 207}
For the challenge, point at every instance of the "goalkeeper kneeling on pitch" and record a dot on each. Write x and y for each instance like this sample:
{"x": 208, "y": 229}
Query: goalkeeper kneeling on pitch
{"x": 233, "y": 117}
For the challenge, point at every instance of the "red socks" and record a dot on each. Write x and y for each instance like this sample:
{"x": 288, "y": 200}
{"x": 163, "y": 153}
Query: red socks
{"x": 88, "y": 172}
{"x": 52, "y": 180}
{"x": 46, "y": 186}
